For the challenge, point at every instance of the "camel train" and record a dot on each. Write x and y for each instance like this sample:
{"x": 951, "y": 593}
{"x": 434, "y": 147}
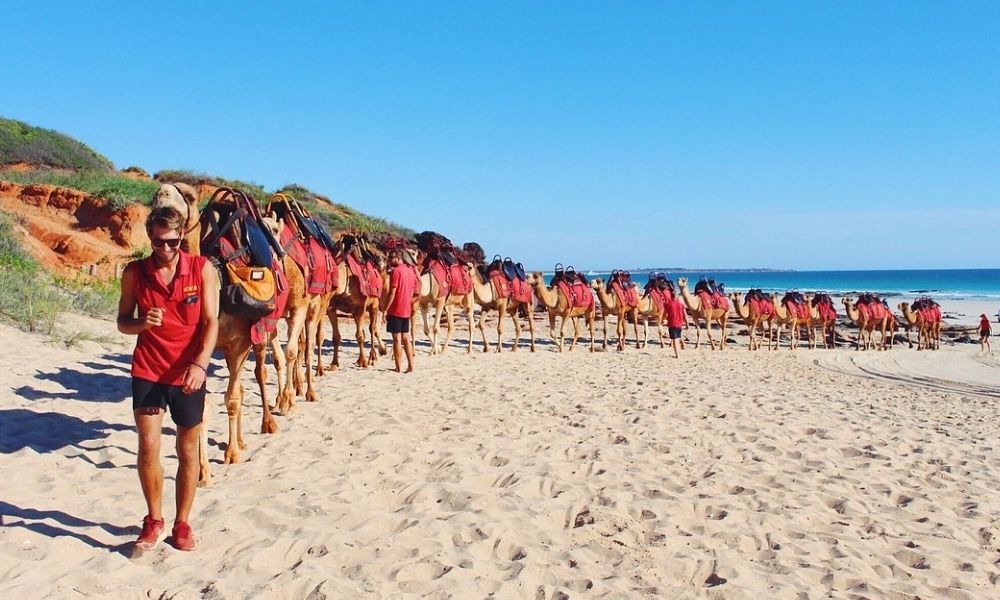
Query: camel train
{"x": 317, "y": 277}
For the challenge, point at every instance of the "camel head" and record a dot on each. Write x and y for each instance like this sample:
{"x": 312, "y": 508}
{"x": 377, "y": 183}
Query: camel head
{"x": 180, "y": 196}
{"x": 903, "y": 306}
{"x": 682, "y": 283}
{"x": 535, "y": 278}
{"x": 272, "y": 222}
{"x": 597, "y": 284}
{"x": 847, "y": 301}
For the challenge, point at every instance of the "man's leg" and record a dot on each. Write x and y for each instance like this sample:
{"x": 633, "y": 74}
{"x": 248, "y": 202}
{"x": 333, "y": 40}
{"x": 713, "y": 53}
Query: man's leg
{"x": 397, "y": 350}
{"x": 149, "y": 423}
{"x": 408, "y": 347}
{"x": 187, "y": 469}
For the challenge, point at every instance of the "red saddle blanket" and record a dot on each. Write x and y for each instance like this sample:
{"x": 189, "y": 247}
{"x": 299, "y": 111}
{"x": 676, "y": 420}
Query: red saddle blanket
{"x": 520, "y": 291}
{"x": 500, "y": 284}
{"x": 627, "y": 295}
{"x": 369, "y": 279}
{"x": 316, "y": 262}
{"x": 713, "y": 300}
{"x": 797, "y": 311}
{"x": 660, "y": 299}
{"x": 762, "y": 306}
{"x": 930, "y": 315}
{"x": 578, "y": 294}
{"x": 872, "y": 312}
{"x": 826, "y": 311}
{"x": 451, "y": 280}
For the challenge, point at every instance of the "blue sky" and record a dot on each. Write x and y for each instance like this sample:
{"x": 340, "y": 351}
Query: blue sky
{"x": 604, "y": 134}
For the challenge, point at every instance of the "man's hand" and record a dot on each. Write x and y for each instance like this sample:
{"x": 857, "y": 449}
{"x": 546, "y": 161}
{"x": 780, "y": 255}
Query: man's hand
{"x": 154, "y": 318}
{"x": 194, "y": 378}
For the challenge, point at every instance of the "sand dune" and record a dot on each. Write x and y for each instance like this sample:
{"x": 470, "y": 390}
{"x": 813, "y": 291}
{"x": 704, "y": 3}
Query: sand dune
{"x": 606, "y": 475}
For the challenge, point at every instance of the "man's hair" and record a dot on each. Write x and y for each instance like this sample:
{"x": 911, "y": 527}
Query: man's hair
{"x": 166, "y": 217}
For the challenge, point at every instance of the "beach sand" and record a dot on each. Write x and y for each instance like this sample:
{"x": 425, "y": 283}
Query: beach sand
{"x": 729, "y": 474}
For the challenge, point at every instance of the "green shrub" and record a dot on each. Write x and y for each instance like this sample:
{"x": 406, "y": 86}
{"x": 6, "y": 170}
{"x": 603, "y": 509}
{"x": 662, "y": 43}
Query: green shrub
{"x": 20, "y": 142}
{"x": 118, "y": 190}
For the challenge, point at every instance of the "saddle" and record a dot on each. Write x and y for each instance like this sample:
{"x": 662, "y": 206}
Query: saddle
{"x": 573, "y": 285}
{"x": 307, "y": 243}
{"x": 711, "y": 294}
{"x": 248, "y": 257}
{"x": 795, "y": 303}
{"x": 363, "y": 264}
{"x": 622, "y": 286}
{"x": 871, "y": 308}
{"x": 824, "y": 304}
{"x": 760, "y": 303}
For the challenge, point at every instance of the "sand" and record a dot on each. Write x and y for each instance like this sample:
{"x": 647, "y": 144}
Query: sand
{"x": 729, "y": 474}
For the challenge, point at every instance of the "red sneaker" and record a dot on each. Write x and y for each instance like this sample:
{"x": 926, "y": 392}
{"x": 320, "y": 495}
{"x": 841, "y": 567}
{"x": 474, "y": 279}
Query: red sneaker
{"x": 152, "y": 531}
{"x": 183, "y": 536}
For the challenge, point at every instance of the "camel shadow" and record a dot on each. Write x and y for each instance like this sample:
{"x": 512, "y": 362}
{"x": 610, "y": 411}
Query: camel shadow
{"x": 31, "y": 520}
{"x": 48, "y": 431}
{"x": 89, "y": 386}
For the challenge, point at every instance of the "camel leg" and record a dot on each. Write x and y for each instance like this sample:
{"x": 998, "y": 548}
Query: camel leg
{"x": 517, "y": 327}
{"x": 500, "y": 313}
{"x": 531, "y": 326}
{"x": 286, "y": 397}
{"x": 470, "y": 316}
{"x": 576, "y": 333}
{"x": 267, "y": 423}
{"x": 722, "y": 324}
{"x": 450, "y": 319}
{"x": 562, "y": 329}
{"x": 320, "y": 370}
{"x": 373, "y": 330}
{"x": 312, "y": 322}
{"x": 590, "y": 321}
{"x": 335, "y": 337}
{"x": 234, "y": 400}
{"x": 708, "y": 331}
{"x": 359, "y": 335}
{"x": 481, "y": 326}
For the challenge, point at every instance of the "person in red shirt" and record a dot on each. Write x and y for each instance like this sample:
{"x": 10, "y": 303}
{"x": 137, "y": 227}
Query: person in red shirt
{"x": 170, "y": 300}
{"x": 676, "y": 320}
{"x": 984, "y": 333}
{"x": 403, "y": 289}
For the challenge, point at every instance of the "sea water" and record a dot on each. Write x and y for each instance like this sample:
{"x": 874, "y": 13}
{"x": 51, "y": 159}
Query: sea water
{"x": 945, "y": 284}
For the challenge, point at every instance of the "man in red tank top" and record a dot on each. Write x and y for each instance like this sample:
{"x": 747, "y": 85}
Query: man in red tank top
{"x": 170, "y": 301}
{"x": 403, "y": 287}
{"x": 676, "y": 320}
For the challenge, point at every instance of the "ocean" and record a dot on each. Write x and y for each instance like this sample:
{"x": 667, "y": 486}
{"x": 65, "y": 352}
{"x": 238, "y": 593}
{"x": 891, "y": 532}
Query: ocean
{"x": 945, "y": 284}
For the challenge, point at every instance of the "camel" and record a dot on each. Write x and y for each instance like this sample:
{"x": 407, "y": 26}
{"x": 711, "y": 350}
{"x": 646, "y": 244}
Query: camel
{"x": 349, "y": 298}
{"x": 754, "y": 320}
{"x": 612, "y": 305}
{"x": 865, "y": 326}
{"x": 706, "y": 314}
{"x": 557, "y": 304}
{"x": 913, "y": 318}
{"x": 302, "y": 314}
{"x": 485, "y": 295}
{"x": 925, "y": 328}
{"x": 442, "y": 304}
{"x": 234, "y": 341}
{"x": 827, "y": 324}
{"x": 785, "y": 317}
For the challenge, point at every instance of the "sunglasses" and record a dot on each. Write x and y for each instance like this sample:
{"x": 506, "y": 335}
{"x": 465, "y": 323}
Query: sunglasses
{"x": 160, "y": 242}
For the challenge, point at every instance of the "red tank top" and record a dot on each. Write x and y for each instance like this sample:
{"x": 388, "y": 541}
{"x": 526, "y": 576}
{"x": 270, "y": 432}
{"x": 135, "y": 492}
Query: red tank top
{"x": 163, "y": 354}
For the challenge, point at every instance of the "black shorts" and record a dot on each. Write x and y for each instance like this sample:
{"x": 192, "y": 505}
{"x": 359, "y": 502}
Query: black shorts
{"x": 397, "y": 324}
{"x": 185, "y": 409}
{"x": 675, "y": 332}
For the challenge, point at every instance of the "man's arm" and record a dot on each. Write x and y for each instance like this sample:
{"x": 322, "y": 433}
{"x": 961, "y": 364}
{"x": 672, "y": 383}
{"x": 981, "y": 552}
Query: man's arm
{"x": 197, "y": 372}
{"x": 127, "y": 321}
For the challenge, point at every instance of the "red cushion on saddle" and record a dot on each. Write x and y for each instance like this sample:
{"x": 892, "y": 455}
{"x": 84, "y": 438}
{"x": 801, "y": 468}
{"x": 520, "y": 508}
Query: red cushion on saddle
{"x": 322, "y": 269}
{"x": 713, "y": 300}
{"x": 761, "y": 306}
{"x": 927, "y": 314}
{"x": 626, "y": 295}
{"x": 369, "y": 279}
{"x": 500, "y": 284}
{"x": 865, "y": 311}
{"x": 827, "y": 312}
{"x": 520, "y": 291}
{"x": 878, "y": 311}
{"x": 659, "y": 299}
{"x": 461, "y": 283}
{"x": 440, "y": 273}
{"x": 578, "y": 294}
